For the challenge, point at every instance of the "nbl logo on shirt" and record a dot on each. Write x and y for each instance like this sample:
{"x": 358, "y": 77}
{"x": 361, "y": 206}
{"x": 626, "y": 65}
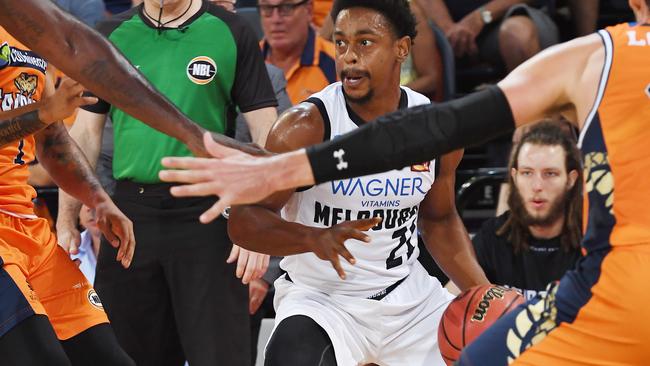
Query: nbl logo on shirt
{"x": 201, "y": 70}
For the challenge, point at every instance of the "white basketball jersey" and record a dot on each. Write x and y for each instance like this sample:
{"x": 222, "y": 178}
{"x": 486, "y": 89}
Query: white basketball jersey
{"x": 395, "y": 196}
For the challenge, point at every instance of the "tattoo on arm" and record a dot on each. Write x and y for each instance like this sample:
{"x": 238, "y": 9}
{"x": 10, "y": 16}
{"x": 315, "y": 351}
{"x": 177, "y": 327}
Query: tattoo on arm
{"x": 66, "y": 163}
{"x": 19, "y": 127}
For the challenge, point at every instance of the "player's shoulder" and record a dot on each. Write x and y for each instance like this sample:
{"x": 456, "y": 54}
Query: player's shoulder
{"x": 299, "y": 126}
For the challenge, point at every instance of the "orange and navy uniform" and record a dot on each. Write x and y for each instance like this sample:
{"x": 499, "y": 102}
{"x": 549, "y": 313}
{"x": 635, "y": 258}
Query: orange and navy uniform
{"x": 22, "y": 81}
{"x": 315, "y": 70}
{"x": 596, "y": 314}
{"x": 36, "y": 275}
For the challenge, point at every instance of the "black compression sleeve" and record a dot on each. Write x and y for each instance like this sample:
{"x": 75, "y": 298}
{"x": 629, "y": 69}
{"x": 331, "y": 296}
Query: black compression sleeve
{"x": 412, "y": 136}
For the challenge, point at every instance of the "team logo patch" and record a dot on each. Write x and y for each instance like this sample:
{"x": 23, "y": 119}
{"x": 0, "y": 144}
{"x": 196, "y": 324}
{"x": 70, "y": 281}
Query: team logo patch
{"x": 647, "y": 90}
{"x": 94, "y": 300}
{"x": 424, "y": 167}
{"x": 26, "y": 83}
{"x": 201, "y": 70}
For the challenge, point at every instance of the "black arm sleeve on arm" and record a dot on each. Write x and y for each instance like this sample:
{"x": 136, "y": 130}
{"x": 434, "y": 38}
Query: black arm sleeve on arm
{"x": 412, "y": 136}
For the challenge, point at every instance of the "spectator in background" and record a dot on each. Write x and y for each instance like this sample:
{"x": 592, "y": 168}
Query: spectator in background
{"x": 88, "y": 11}
{"x": 503, "y": 33}
{"x": 422, "y": 69}
{"x": 584, "y": 15}
{"x": 180, "y": 302}
{"x": 120, "y": 6}
{"x": 86, "y": 257}
{"x": 321, "y": 12}
{"x": 291, "y": 44}
{"x": 538, "y": 239}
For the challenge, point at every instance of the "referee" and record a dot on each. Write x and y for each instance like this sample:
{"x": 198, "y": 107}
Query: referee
{"x": 179, "y": 300}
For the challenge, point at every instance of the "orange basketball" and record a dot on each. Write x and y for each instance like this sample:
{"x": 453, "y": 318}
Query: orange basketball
{"x": 470, "y": 314}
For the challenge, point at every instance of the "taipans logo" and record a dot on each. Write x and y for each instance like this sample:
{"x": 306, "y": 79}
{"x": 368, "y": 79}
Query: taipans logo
{"x": 26, "y": 83}
{"x": 201, "y": 70}
{"x": 647, "y": 90}
{"x": 94, "y": 300}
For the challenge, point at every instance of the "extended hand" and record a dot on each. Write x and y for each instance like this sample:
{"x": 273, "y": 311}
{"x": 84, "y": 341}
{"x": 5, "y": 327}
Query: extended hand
{"x": 235, "y": 176}
{"x": 250, "y": 265}
{"x": 117, "y": 229}
{"x": 65, "y": 100}
{"x": 257, "y": 291}
{"x": 462, "y": 35}
{"x": 329, "y": 244}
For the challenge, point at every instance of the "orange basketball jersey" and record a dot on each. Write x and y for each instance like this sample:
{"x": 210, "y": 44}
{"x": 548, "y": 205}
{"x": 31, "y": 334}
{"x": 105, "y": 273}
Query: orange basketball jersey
{"x": 616, "y": 143}
{"x": 22, "y": 80}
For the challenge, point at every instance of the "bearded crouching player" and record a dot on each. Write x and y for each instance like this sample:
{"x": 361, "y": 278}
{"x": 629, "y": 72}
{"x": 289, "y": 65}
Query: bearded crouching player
{"x": 385, "y": 308}
{"x": 601, "y": 83}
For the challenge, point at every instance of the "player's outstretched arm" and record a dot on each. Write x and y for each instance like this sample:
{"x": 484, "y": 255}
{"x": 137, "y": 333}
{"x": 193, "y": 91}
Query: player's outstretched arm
{"x": 393, "y": 141}
{"x": 86, "y": 56}
{"x": 70, "y": 170}
{"x": 260, "y": 227}
{"x": 22, "y": 122}
{"x": 443, "y": 231}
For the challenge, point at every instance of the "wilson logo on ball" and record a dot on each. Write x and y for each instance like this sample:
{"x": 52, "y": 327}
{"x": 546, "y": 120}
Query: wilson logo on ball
{"x": 483, "y": 306}
{"x": 201, "y": 70}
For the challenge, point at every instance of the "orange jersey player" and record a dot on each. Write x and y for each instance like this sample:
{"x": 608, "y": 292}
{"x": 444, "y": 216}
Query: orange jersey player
{"x": 44, "y": 296}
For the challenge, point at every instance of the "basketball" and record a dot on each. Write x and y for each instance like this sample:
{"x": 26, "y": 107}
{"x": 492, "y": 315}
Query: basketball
{"x": 470, "y": 314}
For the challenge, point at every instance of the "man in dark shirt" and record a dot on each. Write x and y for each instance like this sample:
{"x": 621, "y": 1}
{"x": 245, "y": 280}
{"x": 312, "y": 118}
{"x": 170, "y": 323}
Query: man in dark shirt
{"x": 502, "y": 33}
{"x": 538, "y": 239}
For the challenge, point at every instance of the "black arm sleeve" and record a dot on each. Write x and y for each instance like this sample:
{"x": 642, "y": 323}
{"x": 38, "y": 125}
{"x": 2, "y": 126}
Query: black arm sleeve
{"x": 412, "y": 136}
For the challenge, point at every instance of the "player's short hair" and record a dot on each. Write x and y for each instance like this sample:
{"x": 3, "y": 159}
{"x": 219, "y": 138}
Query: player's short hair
{"x": 398, "y": 13}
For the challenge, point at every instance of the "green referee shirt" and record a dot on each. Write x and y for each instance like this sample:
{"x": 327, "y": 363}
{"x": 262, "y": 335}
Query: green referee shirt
{"x": 207, "y": 67}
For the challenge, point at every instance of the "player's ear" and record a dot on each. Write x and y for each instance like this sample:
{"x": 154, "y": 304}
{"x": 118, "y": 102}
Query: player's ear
{"x": 403, "y": 47}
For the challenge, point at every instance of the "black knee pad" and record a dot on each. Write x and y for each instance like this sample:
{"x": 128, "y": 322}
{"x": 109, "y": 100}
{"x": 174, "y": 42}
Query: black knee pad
{"x": 299, "y": 341}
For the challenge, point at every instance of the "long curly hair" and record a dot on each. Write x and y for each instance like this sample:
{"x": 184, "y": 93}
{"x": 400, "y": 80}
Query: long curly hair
{"x": 515, "y": 227}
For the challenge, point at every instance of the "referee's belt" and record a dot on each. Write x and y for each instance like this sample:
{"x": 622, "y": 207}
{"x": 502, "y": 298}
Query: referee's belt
{"x": 378, "y": 296}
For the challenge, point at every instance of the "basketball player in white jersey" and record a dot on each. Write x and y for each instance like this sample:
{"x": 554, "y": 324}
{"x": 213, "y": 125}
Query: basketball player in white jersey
{"x": 382, "y": 307}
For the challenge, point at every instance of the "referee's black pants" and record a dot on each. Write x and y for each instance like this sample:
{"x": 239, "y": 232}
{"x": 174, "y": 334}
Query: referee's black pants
{"x": 179, "y": 300}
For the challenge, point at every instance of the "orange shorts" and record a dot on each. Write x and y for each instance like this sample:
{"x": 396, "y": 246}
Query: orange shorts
{"x": 38, "y": 277}
{"x": 612, "y": 328}
{"x": 594, "y": 316}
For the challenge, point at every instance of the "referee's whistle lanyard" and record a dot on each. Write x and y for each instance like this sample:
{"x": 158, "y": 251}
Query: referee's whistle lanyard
{"x": 160, "y": 25}
{"x": 162, "y": 4}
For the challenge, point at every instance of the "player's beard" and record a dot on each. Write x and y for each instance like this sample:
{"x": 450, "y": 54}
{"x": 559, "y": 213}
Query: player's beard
{"x": 557, "y": 209}
{"x": 360, "y": 100}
